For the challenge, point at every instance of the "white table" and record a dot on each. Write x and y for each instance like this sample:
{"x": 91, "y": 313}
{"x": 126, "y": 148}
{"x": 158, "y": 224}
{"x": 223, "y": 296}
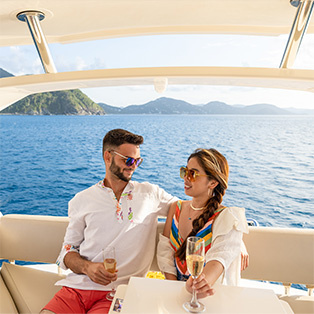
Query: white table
{"x": 144, "y": 295}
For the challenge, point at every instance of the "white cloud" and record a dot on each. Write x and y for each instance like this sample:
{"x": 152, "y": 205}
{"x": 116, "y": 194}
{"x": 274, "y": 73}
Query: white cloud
{"x": 305, "y": 57}
{"x": 20, "y": 60}
{"x": 80, "y": 64}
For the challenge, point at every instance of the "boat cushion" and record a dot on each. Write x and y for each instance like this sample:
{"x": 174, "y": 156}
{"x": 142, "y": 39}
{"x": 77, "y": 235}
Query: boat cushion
{"x": 154, "y": 265}
{"x": 300, "y": 303}
{"x": 280, "y": 255}
{"x": 7, "y": 304}
{"x": 30, "y": 288}
{"x": 31, "y": 238}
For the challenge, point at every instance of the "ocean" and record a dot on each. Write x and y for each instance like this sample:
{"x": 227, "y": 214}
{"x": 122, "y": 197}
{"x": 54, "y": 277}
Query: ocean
{"x": 46, "y": 160}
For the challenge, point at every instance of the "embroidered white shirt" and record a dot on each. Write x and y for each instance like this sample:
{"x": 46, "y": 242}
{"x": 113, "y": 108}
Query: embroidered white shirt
{"x": 98, "y": 220}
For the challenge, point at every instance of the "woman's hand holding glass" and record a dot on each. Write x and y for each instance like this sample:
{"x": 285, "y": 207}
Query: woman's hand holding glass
{"x": 202, "y": 287}
{"x": 195, "y": 258}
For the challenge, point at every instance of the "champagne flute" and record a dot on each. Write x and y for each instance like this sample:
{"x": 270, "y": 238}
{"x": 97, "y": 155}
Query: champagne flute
{"x": 110, "y": 263}
{"x": 195, "y": 257}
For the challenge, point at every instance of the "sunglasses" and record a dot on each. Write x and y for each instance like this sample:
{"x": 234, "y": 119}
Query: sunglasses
{"x": 129, "y": 161}
{"x": 190, "y": 174}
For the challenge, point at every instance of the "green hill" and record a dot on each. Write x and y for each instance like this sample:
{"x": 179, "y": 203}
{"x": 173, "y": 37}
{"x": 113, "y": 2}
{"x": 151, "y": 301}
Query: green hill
{"x": 69, "y": 102}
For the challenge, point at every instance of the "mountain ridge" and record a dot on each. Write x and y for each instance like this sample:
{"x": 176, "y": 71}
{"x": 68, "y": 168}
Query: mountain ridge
{"x": 166, "y": 105}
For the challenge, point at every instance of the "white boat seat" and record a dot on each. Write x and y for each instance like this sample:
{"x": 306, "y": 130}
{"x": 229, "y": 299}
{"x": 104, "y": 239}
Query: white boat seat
{"x": 7, "y": 304}
{"x": 31, "y": 289}
{"x": 35, "y": 239}
{"x": 299, "y": 303}
{"x": 284, "y": 255}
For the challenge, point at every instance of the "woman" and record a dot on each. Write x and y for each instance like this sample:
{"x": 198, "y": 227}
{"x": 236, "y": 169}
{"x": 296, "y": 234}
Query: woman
{"x": 205, "y": 180}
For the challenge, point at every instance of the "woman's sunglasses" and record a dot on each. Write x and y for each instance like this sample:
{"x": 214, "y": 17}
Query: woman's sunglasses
{"x": 129, "y": 161}
{"x": 190, "y": 174}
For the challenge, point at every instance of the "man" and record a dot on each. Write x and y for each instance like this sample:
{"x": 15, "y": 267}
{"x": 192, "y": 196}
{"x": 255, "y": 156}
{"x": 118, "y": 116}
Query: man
{"x": 115, "y": 212}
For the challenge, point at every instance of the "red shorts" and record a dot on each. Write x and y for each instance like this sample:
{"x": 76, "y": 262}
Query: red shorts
{"x": 69, "y": 300}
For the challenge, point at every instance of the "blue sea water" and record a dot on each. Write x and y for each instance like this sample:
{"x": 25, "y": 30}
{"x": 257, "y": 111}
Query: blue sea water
{"x": 45, "y": 160}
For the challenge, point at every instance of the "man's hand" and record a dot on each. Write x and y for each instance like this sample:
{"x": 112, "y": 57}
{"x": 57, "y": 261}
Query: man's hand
{"x": 97, "y": 273}
{"x": 202, "y": 287}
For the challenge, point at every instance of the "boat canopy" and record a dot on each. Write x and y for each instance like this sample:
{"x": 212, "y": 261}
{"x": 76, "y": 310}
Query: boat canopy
{"x": 45, "y": 21}
{"x": 79, "y": 20}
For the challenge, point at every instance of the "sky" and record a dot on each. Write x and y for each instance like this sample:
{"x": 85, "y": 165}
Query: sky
{"x": 172, "y": 50}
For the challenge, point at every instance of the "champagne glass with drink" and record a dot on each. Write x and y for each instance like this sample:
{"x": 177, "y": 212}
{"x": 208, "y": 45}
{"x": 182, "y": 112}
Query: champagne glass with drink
{"x": 195, "y": 257}
{"x": 110, "y": 263}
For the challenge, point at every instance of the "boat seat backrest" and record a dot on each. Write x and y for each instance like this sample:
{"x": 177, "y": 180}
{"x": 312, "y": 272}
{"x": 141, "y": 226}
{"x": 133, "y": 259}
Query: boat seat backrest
{"x": 31, "y": 237}
{"x": 283, "y": 255}
{"x": 160, "y": 229}
{"x": 276, "y": 254}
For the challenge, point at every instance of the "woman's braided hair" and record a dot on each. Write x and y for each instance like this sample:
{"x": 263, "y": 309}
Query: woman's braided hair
{"x": 216, "y": 167}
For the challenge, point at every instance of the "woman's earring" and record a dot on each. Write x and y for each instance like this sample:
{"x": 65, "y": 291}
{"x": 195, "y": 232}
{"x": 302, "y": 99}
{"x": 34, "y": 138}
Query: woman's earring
{"x": 211, "y": 193}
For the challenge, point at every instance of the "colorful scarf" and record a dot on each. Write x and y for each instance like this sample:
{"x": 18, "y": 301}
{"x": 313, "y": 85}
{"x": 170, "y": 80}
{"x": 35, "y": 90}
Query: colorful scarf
{"x": 176, "y": 240}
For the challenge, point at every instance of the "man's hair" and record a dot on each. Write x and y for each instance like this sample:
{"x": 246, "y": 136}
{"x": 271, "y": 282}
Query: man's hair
{"x": 117, "y": 137}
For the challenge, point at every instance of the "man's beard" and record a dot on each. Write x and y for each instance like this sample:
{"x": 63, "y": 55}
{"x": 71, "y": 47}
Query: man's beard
{"x": 116, "y": 170}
